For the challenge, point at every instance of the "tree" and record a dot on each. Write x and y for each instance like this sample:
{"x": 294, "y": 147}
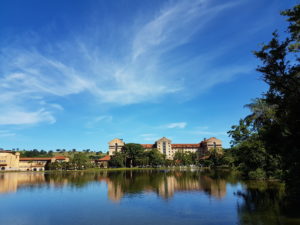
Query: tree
{"x": 185, "y": 158}
{"x": 117, "y": 160}
{"x": 269, "y": 137}
{"x": 155, "y": 158}
{"x": 250, "y": 151}
{"x": 294, "y": 27}
{"x": 215, "y": 157}
{"x": 80, "y": 161}
{"x": 133, "y": 152}
{"x": 281, "y": 71}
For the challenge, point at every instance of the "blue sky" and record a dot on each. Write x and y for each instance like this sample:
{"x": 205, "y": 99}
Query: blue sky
{"x": 76, "y": 74}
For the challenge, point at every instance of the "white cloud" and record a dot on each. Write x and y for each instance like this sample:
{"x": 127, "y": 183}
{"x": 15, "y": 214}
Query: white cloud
{"x": 6, "y": 133}
{"x": 103, "y": 118}
{"x": 29, "y": 76}
{"x": 174, "y": 25}
{"x": 204, "y": 130}
{"x": 210, "y": 133}
{"x": 176, "y": 125}
{"x": 19, "y": 117}
{"x": 56, "y": 106}
{"x": 149, "y": 137}
{"x": 100, "y": 119}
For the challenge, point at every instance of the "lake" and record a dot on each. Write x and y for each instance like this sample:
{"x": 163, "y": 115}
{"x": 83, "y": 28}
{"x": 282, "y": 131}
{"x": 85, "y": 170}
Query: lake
{"x": 134, "y": 197}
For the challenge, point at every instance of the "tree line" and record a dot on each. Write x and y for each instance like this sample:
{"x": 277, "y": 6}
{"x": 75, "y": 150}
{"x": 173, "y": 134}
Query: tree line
{"x": 266, "y": 143}
{"x": 51, "y": 153}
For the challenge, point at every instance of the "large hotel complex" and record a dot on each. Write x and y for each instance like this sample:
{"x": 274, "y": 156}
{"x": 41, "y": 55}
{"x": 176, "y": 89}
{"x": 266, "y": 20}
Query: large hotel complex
{"x": 10, "y": 160}
{"x": 165, "y": 146}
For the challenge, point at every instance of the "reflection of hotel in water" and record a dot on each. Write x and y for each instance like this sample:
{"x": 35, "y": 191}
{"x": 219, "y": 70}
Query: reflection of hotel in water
{"x": 166, "y": 188}
{"x": 170, "y": 184}
{"x": 10, "y": 182}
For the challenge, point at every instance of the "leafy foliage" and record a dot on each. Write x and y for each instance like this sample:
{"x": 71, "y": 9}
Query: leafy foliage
{"x": 133, "y": 153}
{"x": 80, "y": 161}
{"x": 117, "y": 160}
{"x": 185, "y": 158}
{"x": 36, "y": 153}
{"x": 267, "y": 141}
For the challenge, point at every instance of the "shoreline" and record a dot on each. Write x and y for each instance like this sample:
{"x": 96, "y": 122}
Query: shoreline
{"x": 109, "y": 169}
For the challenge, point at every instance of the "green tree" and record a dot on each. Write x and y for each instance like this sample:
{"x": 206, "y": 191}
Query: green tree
{"x": 118, "y": 160}
{"x": 133, "y": 152}
{"x": 249, "y": 150}
{"x": 281, "y": 71}
{"x": 185, "y": 158}
{"x": 81, "y": 161}
{"x": 270, "y": 135}
{"x": 155, "y": 158}
{"x": 228, "y": 158}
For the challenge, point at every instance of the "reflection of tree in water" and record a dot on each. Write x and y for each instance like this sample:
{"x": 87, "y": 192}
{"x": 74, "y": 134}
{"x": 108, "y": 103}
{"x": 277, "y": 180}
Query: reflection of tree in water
{"x": 73, "y": 179}
{"x": 262, "y": 204}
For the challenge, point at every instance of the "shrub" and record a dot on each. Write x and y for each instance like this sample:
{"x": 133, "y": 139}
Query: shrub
{"x": 258, "y": 174}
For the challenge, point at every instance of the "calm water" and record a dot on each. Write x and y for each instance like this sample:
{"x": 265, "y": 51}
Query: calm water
{"x": 138, "y": 197}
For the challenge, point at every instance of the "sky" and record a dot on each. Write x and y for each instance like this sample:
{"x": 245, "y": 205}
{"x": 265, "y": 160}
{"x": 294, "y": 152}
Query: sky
{"x": 76, "y": 74}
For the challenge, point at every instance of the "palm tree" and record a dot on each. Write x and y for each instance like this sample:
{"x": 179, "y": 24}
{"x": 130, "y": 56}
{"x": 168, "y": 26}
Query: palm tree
{"x": 262, "y": 112}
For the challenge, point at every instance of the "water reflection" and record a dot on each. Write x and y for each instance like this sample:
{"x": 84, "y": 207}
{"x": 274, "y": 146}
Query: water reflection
{"x": 215, "y": 197}
{"x": 164, "y": 184}
{"x": 11, "y": 182}
{"x": 263, "y": 203}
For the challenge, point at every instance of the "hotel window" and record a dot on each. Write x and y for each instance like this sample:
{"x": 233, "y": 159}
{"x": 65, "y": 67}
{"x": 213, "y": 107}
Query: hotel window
{"x": 116, "y": 147}
{"x": 164, "y": 147}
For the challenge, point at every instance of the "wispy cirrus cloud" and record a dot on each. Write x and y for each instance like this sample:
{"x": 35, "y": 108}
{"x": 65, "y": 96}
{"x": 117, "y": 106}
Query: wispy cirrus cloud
{"x": 175, "y": 125}
{"x": 20, "y": 117}
{"x": 93, "y": 122}
{"x": 30, "y": 75}
{"x": 149, "y": 137}
{"x": 205, "y": 130}
{"x": 174, "y": 25}
{"x": 6, "y": 133}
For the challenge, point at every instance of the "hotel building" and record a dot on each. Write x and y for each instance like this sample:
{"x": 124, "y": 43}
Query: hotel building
{"x": 165, "y": 146}
{"x": 10, "y": 160}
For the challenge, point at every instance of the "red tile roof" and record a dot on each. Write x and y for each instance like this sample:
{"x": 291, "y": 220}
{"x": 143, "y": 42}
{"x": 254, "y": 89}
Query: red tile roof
{"x": 42, "y": 158}
{"x": 105, "y": 158}
{"x": 148, "y": 145}
{"x": 5, "y": 151}
{"x": 211, "y": 138}
{"x": 197, "y": 145}
{"x": 37, "y": 158}
{"x": 60, "y": 157}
